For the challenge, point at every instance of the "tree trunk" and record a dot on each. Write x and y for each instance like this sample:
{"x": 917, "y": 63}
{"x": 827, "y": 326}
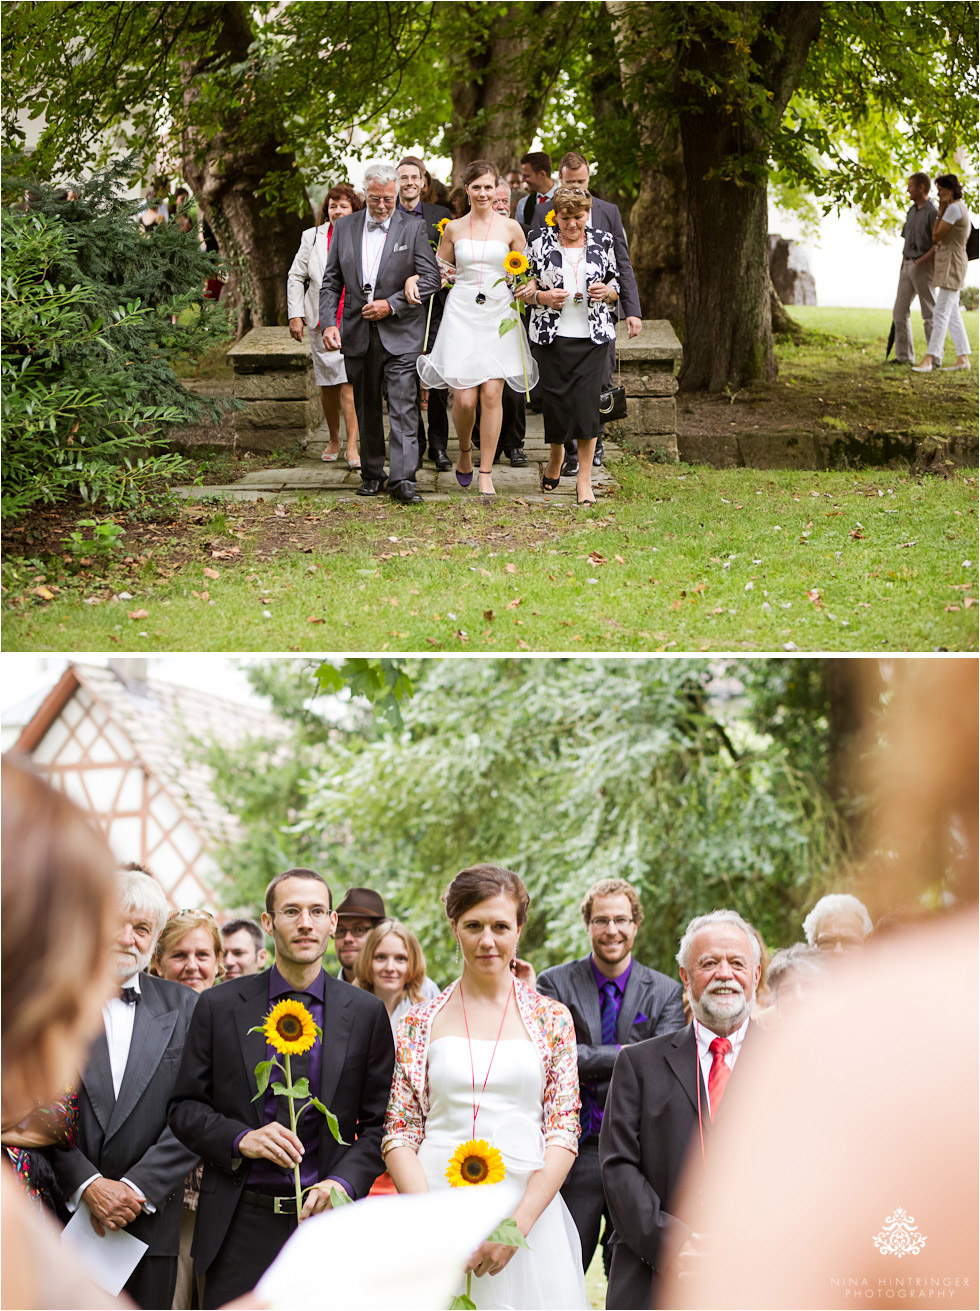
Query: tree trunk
{"x": 783, "y": 324}
{"x": 226, "y": 171}
{"x": 658, "y": 220}
{"x": 854, "y": 691}
{"x": 499, "y": 92}
{"x": 725, "y": 138}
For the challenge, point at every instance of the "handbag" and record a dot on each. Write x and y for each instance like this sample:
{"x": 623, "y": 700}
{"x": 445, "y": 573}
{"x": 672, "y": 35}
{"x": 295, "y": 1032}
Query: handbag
{"x": 973, "y": 243}
{"x": 612, "y": 402}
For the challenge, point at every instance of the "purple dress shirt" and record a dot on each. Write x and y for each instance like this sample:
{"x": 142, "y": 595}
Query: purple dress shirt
{"x": 264, "y": 1175}
{"x": 591, "y": 1113}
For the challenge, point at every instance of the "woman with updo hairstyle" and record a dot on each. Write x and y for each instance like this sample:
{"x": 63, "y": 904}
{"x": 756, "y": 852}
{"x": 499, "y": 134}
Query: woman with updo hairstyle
{"x": 303, "y": 296}
{"x": 950, "y": 235}
{"x": 486, "y": 1091}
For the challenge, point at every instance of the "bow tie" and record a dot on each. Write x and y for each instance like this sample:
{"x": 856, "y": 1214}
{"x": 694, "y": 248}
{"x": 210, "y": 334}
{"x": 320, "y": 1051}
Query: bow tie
{"x": 130, "y": 996}
{"x": 374, "y": 225}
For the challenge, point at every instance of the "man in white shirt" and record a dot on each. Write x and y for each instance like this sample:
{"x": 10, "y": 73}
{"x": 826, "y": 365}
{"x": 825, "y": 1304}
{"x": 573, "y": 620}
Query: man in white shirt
{"x": 663, "y": 1093}
{"x": 125, "y": 1164}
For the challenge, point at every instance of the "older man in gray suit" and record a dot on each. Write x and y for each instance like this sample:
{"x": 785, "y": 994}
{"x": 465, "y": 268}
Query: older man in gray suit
{"x": 126, "y": 1165}
{"x": 614, "y": 1001}
{"x": 372, "y": 254}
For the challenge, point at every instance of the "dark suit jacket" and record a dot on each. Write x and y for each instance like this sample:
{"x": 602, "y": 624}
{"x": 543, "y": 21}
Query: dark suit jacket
{"x": 650, "y": 994}
{"x": 432, "y": 215}
{"x": 406, "y": 251}
{"x": 649, "y": 1125}
{"x": 129, "y": 1135}
{"x": 212, "y": 1102}
{"x": 607, "y": 218}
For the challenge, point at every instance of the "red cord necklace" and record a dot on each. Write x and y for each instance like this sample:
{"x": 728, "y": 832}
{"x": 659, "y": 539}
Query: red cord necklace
{"x": 469, "y": 1043}
{"x": 480, "y": 295}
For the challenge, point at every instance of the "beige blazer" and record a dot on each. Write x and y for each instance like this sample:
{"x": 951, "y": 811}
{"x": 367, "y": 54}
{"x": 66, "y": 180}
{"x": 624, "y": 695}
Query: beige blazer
{"x": 951, "y": 262}
{"x": 310, "y": 261}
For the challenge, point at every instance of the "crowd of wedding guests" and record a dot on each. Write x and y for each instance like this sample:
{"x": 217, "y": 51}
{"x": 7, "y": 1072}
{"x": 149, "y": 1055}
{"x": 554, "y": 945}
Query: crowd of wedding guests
{"x": 158, "y": 1127}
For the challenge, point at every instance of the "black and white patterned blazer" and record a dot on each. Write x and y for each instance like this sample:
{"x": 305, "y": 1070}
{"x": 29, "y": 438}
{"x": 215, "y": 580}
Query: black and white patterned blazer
{"x": 545, "y": 253}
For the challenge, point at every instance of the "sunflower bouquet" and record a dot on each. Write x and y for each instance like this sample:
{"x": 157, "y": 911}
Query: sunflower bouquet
{"x": 471, "y": 1164}
{"x": 290, "y": 1030}
{"x": 517, "y": 273}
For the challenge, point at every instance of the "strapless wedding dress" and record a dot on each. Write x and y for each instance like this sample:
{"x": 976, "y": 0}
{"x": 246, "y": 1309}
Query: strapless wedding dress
{"x": 469, "y": 348}
{"x": 548, "y": 1274}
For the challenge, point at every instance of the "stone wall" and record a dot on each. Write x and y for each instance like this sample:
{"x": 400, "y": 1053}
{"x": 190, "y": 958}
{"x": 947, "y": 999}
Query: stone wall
{"x": 789, "y": 268}
{"x": 646, "y": 369}
{"x": 273, "y": 375}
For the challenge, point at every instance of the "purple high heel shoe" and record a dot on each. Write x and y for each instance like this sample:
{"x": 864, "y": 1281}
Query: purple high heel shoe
{"x": 464, "y": 479}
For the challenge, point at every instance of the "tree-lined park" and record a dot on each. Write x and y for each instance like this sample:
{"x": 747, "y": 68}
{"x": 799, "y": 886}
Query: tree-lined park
{"x": 693, "y": 118}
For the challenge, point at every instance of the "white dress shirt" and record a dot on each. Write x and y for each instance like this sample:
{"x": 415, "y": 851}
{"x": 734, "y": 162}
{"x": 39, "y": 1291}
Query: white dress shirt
{"x": 706, "y": 1056}
{"x": 372, "y": 244}
{"x": 574, "y": 319}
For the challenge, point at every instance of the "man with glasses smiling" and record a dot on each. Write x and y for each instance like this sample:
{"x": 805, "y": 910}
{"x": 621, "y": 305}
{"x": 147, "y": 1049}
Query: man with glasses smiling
{"x": 247, "y": 1204}
{"x": 358, "y": 913}
{"x": 614, "y": 1000}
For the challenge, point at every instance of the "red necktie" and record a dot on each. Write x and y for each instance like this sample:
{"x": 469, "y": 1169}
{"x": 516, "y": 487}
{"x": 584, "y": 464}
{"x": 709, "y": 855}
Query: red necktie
{"x": 719, "y": 1074}
{"x": 541, "y": 199}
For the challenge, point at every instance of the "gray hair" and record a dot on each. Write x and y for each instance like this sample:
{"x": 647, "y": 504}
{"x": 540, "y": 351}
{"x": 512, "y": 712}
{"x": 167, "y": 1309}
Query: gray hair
{"x": 383, "y": 173}
{"x": 502, "y": 182}
{"x": 140, "y": 892}
{"x": 836, "y": 903}
{"x": 715, "y": 917}
{"x": 799, "y": 958}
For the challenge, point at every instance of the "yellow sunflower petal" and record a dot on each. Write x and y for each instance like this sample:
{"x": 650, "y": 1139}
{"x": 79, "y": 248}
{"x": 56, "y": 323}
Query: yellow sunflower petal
{"x": 550, "y": 219}
{"x": 475, "y": 1162}
{"x": 289, "y": 1028}
{"x": 515, "y": 262}
{"x": 442, "y": 225}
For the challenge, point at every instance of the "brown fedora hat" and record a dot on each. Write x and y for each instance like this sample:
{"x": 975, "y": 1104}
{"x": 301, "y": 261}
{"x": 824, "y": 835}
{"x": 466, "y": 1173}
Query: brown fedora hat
{"x": 362, "y": 901}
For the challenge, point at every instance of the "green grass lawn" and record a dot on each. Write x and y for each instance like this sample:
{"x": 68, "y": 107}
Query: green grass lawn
{"x": 681, "y": 558}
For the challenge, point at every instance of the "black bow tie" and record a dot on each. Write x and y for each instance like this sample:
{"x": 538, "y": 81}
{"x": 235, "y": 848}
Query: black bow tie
{"x": 130, "y": 996}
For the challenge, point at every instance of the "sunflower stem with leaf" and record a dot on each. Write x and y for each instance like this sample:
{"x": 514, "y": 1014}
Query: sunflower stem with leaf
{"x": 471, "y": 1164}
{"x": 440, "y": 228}
{"x": 290, "y": 1029}
{"x": 517, "y": 274}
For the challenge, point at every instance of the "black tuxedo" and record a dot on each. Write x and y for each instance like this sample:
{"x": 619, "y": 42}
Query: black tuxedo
{"x": 129, "y": 1136}
{"x": 649, "y": 1126}
{"x": 652, "y": 1006}
{"x": 432, "y": 215}
{"x": 213, "y": 1104}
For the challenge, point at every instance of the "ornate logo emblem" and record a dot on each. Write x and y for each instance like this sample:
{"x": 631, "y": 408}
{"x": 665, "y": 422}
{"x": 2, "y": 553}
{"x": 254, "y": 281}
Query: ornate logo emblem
{"x": 899, "y": 1236}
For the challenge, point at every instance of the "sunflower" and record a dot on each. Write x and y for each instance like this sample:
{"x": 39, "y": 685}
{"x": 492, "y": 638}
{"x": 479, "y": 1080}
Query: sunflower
{"x": 475, "y": 1162}
{"x": 516, "y": 263}
{"x": 442, "y": 225}
{"x": 550, "y": 219}
{"x": 289, "y": 1028}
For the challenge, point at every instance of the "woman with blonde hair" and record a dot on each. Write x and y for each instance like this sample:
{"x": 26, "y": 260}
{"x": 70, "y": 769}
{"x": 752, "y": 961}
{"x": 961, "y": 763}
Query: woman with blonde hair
{"x": 391, "y": 965}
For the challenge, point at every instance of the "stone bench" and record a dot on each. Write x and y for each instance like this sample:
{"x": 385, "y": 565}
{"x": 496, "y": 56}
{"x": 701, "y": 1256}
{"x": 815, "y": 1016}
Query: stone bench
{"x": 273, "y": 375}
{"x": 646, "y": 370}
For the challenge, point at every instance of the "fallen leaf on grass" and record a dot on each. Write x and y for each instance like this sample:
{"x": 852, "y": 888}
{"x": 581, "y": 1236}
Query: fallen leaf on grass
{"x": 968, "y": 601}
{"x": 43, "y": 592}
{"x": 117, "y": 640}
{"x": 855, "y": 533}
{"x": 313, "y": 620}
{"x": 461, "y": 634}
{"x": 525, "y": 646}
{"x": 512, "y": 605}
{"x": 511, "y": 568}
{"x": 488, "y": 615}
{"x": 904, "y": 545}
{"x": 814, "y": 595}
{"x": 139, "y": 614}
{"x": 619, "y": 559}
{"x": 226, "y": 552}
{"x": 595, "y": 558}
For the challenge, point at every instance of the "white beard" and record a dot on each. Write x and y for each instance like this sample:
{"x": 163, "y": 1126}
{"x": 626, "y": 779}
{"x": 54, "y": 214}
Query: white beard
{"x": 722, "y": 1013}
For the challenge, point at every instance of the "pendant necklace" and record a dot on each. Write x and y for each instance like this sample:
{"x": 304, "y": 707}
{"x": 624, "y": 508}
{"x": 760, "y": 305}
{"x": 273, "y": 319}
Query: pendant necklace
{"x": 476, "y": 1104}
{"x": 576, "y": 265}
{"x": 480, "y": 295}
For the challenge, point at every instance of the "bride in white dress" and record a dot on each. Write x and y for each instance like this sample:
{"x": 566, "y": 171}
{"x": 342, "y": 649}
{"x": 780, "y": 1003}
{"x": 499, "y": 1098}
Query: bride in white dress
{"x": 469, "y": 354}
{"x": 491, "y": 1060}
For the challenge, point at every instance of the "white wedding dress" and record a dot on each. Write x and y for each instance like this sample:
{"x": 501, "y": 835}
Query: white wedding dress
{"x": 548, "y": 1274}
{"x": 469, "y": 349}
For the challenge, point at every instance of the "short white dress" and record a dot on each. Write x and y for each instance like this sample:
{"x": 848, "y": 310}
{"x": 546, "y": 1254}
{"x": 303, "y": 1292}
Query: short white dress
{"x": 469, "y": 349}
{"x": 548, "y": 1273}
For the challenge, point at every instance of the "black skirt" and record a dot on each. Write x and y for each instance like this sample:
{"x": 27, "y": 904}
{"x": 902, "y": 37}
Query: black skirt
{"x": 571, "y": 380}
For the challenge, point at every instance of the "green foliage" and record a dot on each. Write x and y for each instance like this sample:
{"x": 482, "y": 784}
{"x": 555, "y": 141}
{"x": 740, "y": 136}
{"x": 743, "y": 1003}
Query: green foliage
{"x": 88, "y": 340}
{"x": 104, "y": 542}
{"x": 566, "y": 771}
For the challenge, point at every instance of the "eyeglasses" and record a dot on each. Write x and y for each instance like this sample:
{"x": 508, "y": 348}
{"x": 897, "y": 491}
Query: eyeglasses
{"x": 620, "y": 922}
{"x": 292, "y": 913}
{"x": 347, "y": 931}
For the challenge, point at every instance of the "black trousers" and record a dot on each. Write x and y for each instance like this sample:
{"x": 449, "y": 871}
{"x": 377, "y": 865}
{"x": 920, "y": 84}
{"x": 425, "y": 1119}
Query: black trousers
{"x": 438, "y": 422}
{"x": 583, "y": 1195}
{"x": 254, "y": 1239}
{"x": 152, "y": 1283}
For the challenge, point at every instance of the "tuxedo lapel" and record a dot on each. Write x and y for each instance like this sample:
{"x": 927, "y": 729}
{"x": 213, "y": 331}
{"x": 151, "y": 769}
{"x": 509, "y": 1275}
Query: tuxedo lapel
{"x": 631, "y": 1002}
{"x": 153, "y": 1026}
{"x": 396, "y": 225}
{"x": 356, "y": 233}
{"x": 588, "y": 998}
{"x": 250, "y": 1012}
{"x": 682, "y": 1057}
{"x": 337, "y": 1025}
{"x": 97, "y": 1080}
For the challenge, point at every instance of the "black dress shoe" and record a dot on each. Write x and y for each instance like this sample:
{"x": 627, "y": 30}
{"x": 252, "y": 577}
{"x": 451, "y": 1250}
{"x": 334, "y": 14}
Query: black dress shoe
{"x": 570, "y": 468}
{"x": 405, "y": 493}
{"x": 371, "y": 487}
{"x": 518, "y": 458}
{"x": 597, "y": 455}
{"x": 441, "y": 460}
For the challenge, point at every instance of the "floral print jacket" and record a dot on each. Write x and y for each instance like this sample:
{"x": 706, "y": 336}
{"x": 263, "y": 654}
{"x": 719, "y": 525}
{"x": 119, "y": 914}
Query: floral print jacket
{"x": 552, "y": 1031}
{"x": 545, "y": 255}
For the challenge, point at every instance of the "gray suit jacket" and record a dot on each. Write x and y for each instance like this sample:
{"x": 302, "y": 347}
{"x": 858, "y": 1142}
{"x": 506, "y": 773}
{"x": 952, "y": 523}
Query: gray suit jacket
{"x": 652, "y": 1005}
{"x": 406, "y": 251}
{"x": 129, "y": 1135}
{"x": 607, "y": 218}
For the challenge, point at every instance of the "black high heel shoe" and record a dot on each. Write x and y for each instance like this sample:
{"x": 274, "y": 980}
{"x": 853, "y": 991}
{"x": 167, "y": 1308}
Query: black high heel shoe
{"x": 464, "y": 479}
{"x": 487, "y": 473}
{"x": 549, "y": 484}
